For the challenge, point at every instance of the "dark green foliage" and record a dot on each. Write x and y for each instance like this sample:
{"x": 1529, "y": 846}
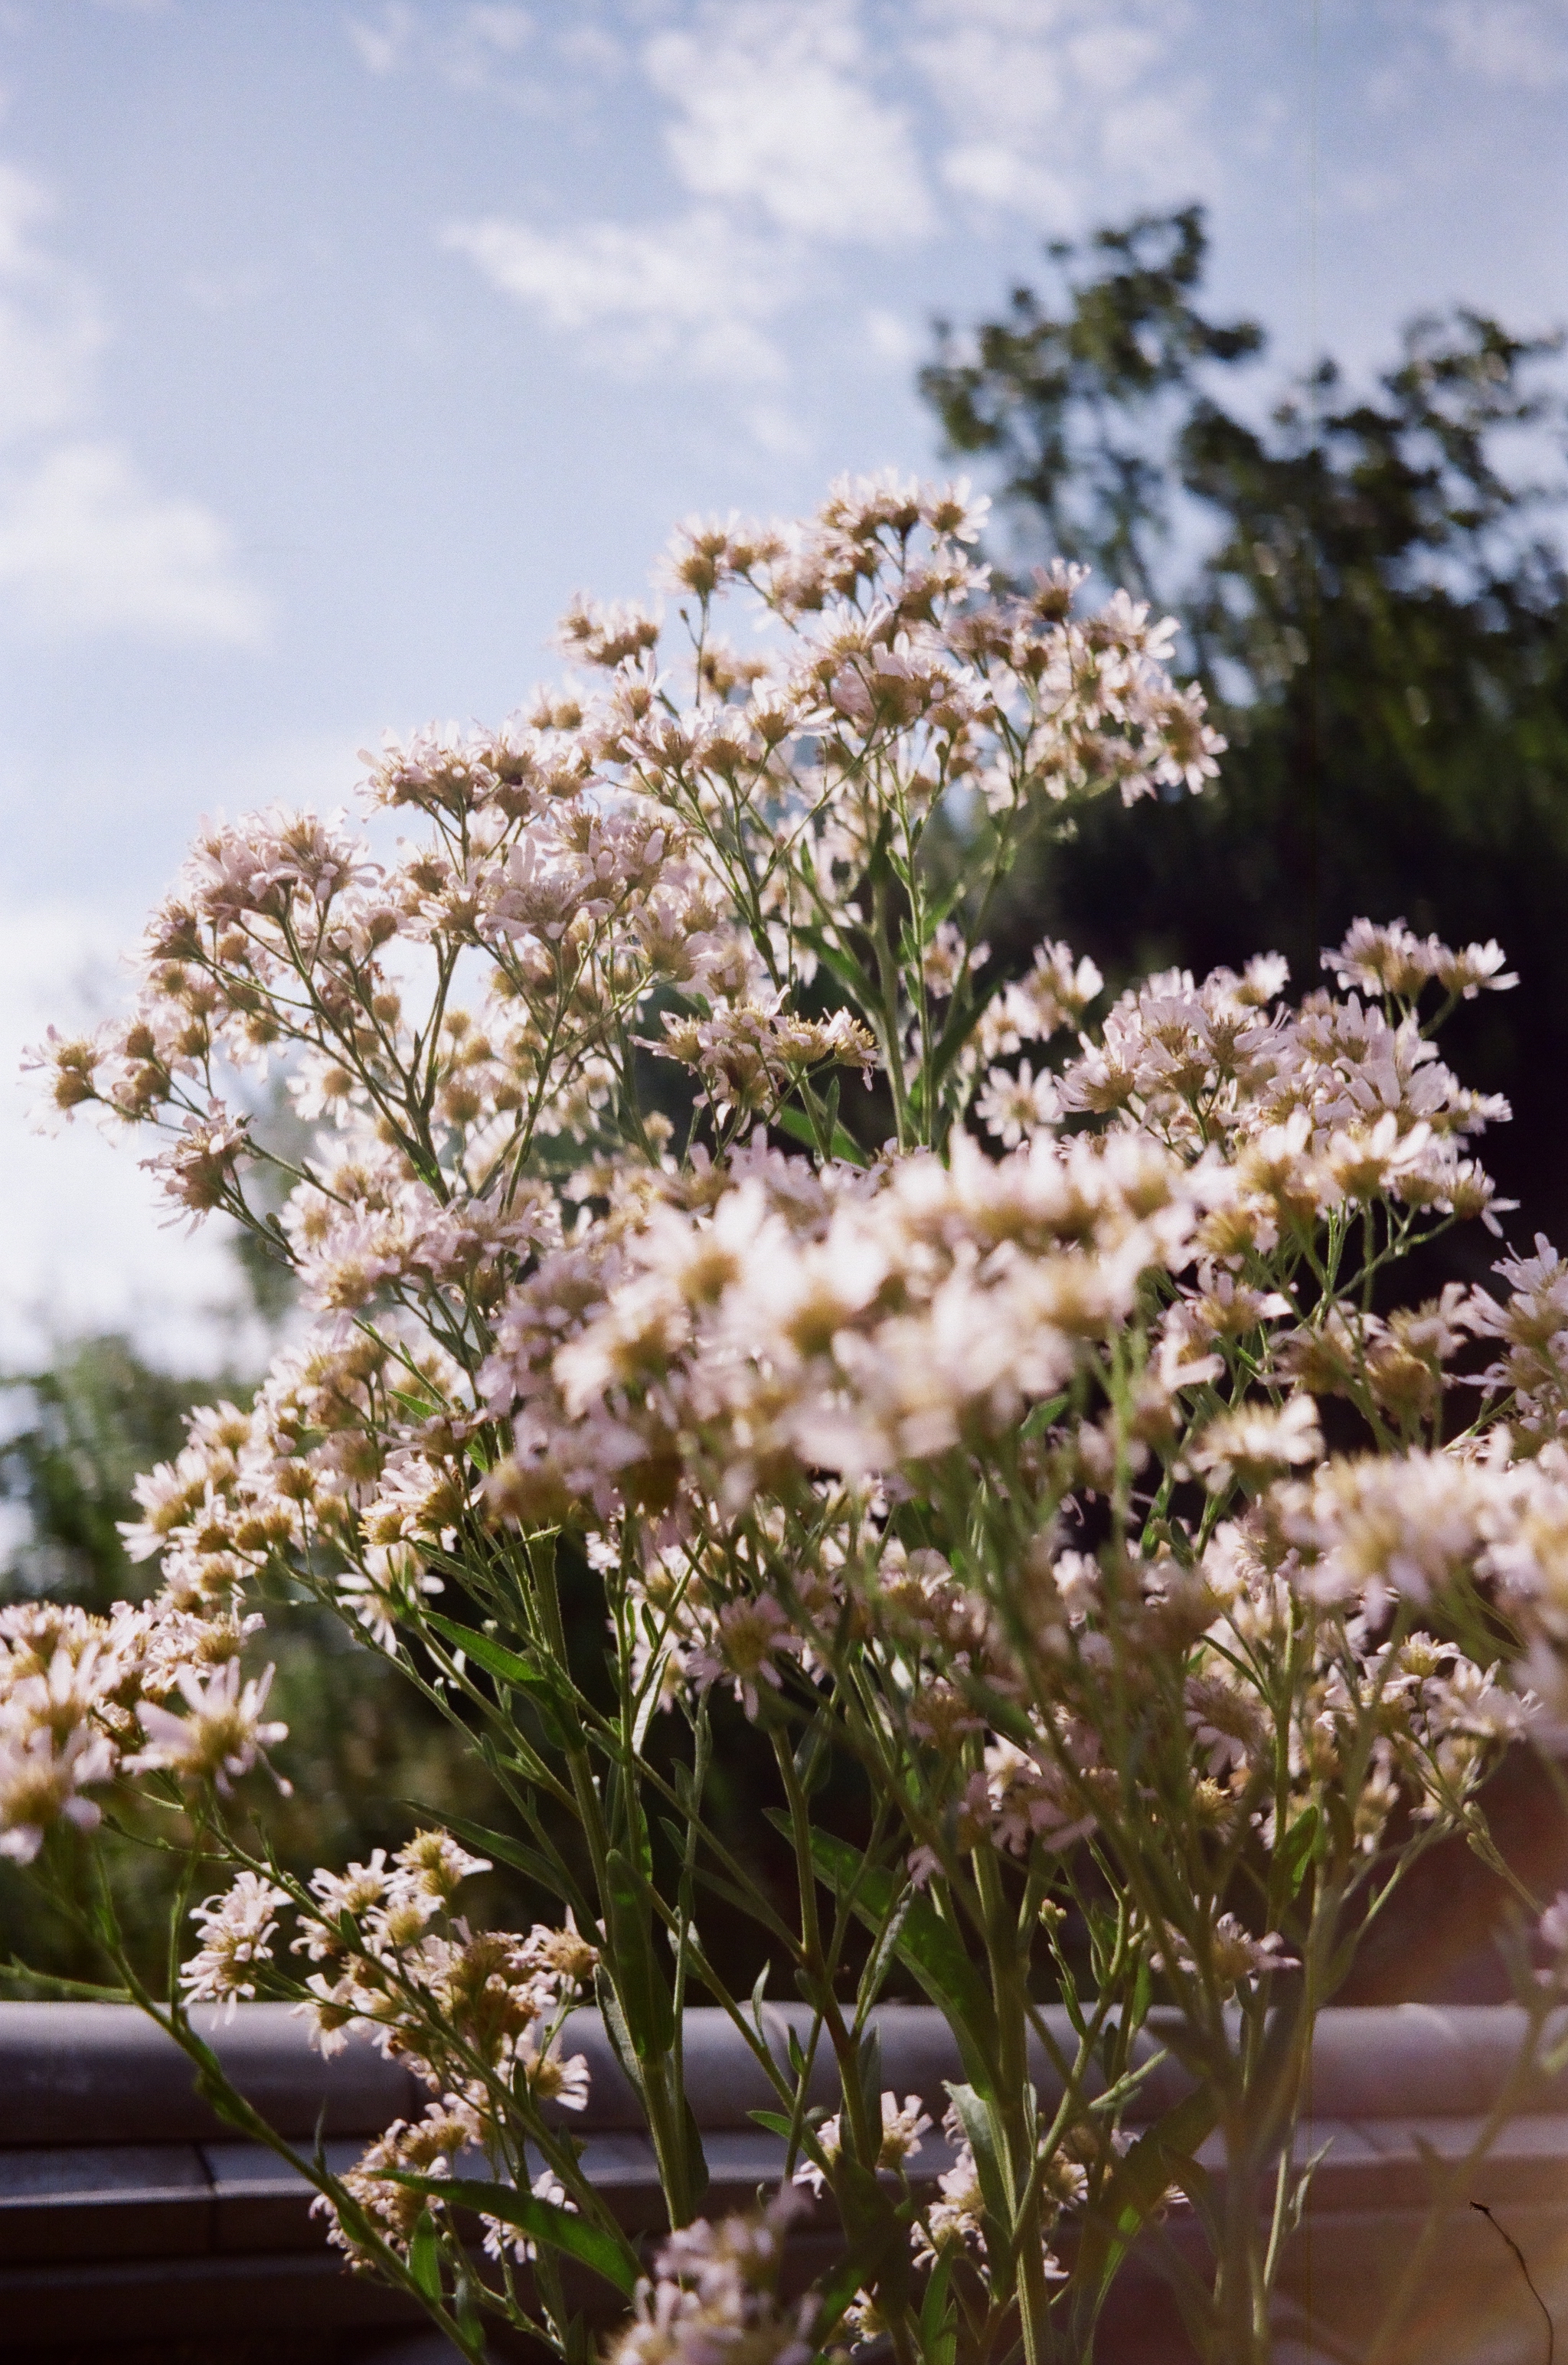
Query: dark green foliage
{"x": 1367, "y": 589}
{"x": 1071, "y": 404}
{"x": 75, "y": 1437}
{"x": 362, "y": 1744}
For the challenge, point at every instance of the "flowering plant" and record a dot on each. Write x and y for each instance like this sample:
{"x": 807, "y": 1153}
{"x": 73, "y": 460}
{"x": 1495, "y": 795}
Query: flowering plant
{"x": 988, "y": 1462}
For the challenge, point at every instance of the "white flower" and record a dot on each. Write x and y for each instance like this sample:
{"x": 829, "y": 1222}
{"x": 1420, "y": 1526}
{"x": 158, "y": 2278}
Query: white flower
{"x": 1013, "y": 1108}
{"x": 238, "y": 1929}
{"x": 501, "y": 2238}
{"x": 1257, "y": 1442}
{"x": 223, "y": 1734}
{"x": 43, "y": 1779}
{"x": 1235, "y": 1957}
{"x": 552, "y": 2079}
{"x": 957, "y": 2220}
{"x": 901, "y": 2129}
{"x": 829, "y": 2142}
{"x": 433, "y": 1862}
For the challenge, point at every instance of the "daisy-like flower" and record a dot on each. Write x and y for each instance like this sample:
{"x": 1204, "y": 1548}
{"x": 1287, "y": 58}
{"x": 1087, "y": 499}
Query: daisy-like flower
{"x": 223, "y": 1734}
{"x": 901, "y": 2129}
{"x": 1256, "y": 1442}
{"x": 329, "y": 2011}
{"x": 238, "y": 1929}
{"x": 1013, "y": 1107}
{"x": 957, "y": 2221}
{"x": 43, "y": 1779}
{"x": 1237, "y": 1958}
{"x": 744, "y": 1647}
{"x": 433, "y": 1862}
{"x": 552, "y": 2079}
{"x": 502, "y": 2240}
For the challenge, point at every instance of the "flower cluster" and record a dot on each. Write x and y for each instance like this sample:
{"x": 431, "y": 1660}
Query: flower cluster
{"x": 715, "y": 2293}
{"x": 903, "y": 2128}
{"x": 477, "y": 2016}
{"x": 84, "y": 1703}
{"x": 1007, "y": 1395}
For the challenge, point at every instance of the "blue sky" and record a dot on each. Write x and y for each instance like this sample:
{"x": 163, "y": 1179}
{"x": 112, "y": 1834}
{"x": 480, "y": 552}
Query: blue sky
{"x": 338, "y": 345}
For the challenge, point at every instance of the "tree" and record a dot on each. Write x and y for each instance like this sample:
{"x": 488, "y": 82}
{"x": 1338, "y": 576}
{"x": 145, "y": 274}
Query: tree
{"x": 1376, "y": 612}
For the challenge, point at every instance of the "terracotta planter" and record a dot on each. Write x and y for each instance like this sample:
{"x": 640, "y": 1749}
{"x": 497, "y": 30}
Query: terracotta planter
{"x": 128, "y": 2214}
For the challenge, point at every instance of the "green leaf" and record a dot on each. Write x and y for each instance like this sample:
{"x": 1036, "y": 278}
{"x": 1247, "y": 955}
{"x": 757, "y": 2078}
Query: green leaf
{"x": 929, "y": 1948}
{"x": 858, "y": 2268}
{"x": 797, "y": 1125}
{"x": 838, "y": 965}
{"x": 755, "y": 1909}
{"x": 641, "y": 1983}
{"x": 424, "y": 2257}
{"x": 774, "y": 2121}
{"x": 813, "y": 1754}
{"x": 868, "y": 2075}
{"x": 485, "y": 1651}
{"x": 626, "y": 1823}
{"x": 465, "y": 2304}
{"x": 609, "y": 2254}
{"x": 886, "y": 1946}
{"x": 541, "y": 1687}
{"x": 1038, "y": 1418}
{"x": 697, "y": 2177}
{"x": 516, "y": 1852}
{"x": 1296, "y": 1852}
{"x": 979, "y": 2128}
{"x": 939, "y": 2317}
{"x": 879, "y": 2244}
{"x": 1161, "y": 2157}
{"x": 619, "y": 2035}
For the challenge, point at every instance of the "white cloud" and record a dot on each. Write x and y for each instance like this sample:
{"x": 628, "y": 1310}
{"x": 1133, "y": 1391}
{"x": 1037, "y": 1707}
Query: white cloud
{"x": 996, "y": 175}
{"x": 1050, "y": 102}
{"x": 480, "y": 46}
{"x": 383, "y": 44}
{"x": 87, "y": 545}
{"x": 51, "y": 328}
{"x": 591, "y": 46}
{"x": 775, "y": 124}
{"x": 692, "y": 292}
{"x": 1517, "y": 44}
{"x": 469, "y": 48}
{"x": 891, "y": 338}
{"x": 774, "y": 107}
{"x": 779, "y": 432}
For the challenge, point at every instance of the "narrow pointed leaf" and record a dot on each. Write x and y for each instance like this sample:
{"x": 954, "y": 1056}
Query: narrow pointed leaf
{"x": 927, "y": 1944}
{"x": 542, "y": 2221}
{"x": 641, "y": 1982}
{"x": 424, "y": 2256}
{"x": 797, "y": 1125}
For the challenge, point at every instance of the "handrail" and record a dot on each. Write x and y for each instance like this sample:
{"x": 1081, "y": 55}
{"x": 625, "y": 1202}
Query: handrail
{"x": 127, "y": 2210}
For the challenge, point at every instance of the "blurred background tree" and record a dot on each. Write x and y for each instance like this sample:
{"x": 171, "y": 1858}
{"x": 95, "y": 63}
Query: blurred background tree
{"x": 1367, "y": 587}
{"x": 1369, "y": 592}
{"x": 361, "y": 1741}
